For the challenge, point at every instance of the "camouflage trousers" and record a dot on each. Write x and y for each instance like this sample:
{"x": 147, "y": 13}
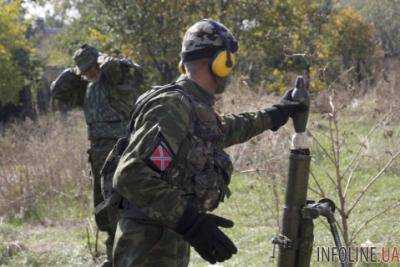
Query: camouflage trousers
{"x": 98, "y": 152}
{"x": 145, "y": 245}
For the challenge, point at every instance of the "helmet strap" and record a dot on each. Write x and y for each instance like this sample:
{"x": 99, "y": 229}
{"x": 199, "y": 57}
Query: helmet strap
{"x": 229, "y": 62}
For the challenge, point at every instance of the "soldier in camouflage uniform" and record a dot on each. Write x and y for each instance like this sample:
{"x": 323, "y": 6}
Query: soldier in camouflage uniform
{"x": 174, "y": 170}
{"x": 107, "y": 87}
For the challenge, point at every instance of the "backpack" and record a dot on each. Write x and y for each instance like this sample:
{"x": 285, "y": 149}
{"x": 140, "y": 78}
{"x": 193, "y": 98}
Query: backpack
{"x": 121, "y": 70}
{"x": 112, "y": 199}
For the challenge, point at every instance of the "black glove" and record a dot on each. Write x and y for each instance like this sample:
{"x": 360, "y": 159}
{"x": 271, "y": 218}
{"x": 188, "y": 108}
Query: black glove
{"x": 286, "y": 108}
{"x": 201, "y": 231}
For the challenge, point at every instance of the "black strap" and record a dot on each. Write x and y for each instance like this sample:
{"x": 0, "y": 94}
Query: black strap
{"x": 141, "y": 102}
{"x": 207, "y": 52}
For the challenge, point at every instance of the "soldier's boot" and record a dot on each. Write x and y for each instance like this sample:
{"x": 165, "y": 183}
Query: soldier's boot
{"x": 109, "y": 247}
{"x": 106, "y": 263}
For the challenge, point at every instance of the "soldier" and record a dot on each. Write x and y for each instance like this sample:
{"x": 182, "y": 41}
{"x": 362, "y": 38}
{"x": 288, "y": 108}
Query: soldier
{"x": 174, "y": 170}
{"x": 108, "y": 100}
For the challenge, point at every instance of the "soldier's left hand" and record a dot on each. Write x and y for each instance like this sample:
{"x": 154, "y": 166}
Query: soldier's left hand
{"x": 287, "y": 107}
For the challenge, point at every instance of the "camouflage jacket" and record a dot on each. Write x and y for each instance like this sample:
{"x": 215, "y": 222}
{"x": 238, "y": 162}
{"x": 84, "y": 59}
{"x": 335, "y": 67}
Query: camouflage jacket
{"x": 107, "y": 102}
{"x": 175, "y": 153}
{"x": 69, "y": 88}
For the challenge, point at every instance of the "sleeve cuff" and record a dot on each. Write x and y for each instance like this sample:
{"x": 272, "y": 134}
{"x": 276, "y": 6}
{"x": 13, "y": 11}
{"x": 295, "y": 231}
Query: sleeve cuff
{"x": 278, "y": 117}
{"x": 188, "y": 219}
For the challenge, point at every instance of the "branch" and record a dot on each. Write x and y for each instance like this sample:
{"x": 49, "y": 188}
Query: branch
{"x": 329, "y": 176}
{"x": 372, "y": 181}
{"x": 315, "y": 191}
{"x": 253, "y": 170}
{"x": 350, "y": 178}
{"x": 358, "y": 231}
{"x": 322, "y": 147}
{"x": 339, "y": 77}
{"x": 333, "y": 146}
{"x": 338, "y": 148}
{"x": 371, "y": 131}
{"x": 322, "y": 192}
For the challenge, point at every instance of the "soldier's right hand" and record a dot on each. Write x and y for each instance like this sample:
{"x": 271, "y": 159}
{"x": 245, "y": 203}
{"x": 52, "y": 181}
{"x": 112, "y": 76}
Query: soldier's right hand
{"x": 201, "y": 230}
{"x": 68, "y": 80}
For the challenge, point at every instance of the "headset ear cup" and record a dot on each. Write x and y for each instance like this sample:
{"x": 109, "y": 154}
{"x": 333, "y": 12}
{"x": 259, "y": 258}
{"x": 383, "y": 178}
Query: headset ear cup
{"x": 181, "y": 68}
{"x": 219, "y": 66}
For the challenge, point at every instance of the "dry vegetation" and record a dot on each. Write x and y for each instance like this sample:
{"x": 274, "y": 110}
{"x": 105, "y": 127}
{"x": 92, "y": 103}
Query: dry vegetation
{"x": 41, "y": 164}
{"x": 45, "y": 183}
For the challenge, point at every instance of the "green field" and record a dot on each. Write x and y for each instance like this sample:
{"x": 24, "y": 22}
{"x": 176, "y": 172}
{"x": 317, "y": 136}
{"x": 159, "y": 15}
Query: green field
{"x": 58, "y": 229}
{"x": 64, "y": 242}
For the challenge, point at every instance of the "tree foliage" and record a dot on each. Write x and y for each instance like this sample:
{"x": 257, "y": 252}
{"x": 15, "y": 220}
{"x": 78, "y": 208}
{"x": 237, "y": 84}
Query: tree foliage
{"x": 385, "y": 15}
{"x": 333, "y": 38}
{"x": 347, "y": 38}
{"x": 19, "y": 67}
{"x": 12, "y": 42}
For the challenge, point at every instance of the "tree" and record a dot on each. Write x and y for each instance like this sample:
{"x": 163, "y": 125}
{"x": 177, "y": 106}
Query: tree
{"x": 269, "y": 33}
{"x": 350, "y": 39}
{"x": 385, "y": 16}
{"x": 12, "y": 42}
{"x": 150, "y": 31}
{"x": 19, "y": 68}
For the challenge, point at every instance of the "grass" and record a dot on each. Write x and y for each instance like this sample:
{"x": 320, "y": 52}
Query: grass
{"x": 57, "y": 245}
{"x": 45, "y": 199}
{"x": 64, "y": 242}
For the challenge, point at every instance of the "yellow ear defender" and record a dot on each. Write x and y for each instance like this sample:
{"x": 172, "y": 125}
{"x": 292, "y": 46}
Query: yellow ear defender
{"x": 223, "y": 63}
{"x": 181, "y": 68}
{"x": 222, "y": 60}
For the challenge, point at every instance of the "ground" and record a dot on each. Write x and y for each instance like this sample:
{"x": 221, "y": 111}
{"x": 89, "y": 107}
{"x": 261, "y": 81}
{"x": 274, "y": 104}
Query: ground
{"x": 66, "y": 242}
{"x": 45, "y": 199}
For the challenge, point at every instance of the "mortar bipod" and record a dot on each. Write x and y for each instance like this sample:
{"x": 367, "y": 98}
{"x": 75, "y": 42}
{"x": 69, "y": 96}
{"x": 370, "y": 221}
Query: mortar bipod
{"x": 326, "y": 208}
{"x": 312, "y": 210}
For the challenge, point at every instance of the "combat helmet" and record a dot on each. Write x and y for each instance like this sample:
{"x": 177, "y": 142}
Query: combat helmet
{"x": 208, "y": 38}
{"x": 85, "y": 57}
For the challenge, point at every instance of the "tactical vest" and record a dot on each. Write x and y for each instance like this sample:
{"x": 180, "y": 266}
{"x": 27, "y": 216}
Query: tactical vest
{"x": 107, "y": 116}
{"x": 102, "y": 119}
{"x": 201, "y": 168}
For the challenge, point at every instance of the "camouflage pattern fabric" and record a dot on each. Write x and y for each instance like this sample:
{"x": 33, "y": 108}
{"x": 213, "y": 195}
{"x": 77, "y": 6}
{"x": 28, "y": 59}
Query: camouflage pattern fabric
{"x": 85, "y": 57}
{"x": 205, "y": 34}
{"x": 98, "y": 152}
{"x": 109, "y": 101}
{"x": 69, "y": 88}
{"x": 140, "y": 244}
{"x": 107, "y": 104}
{"x": 175, "y": 155}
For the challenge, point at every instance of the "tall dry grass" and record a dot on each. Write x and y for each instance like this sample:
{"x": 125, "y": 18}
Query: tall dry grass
{"x": 44, "y": 164}
{"x": 263, "y": 151}
{"x": 41, "y": 163}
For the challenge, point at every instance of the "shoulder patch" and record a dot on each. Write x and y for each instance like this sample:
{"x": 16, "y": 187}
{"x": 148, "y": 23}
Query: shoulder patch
{"x": 161, "y": 157}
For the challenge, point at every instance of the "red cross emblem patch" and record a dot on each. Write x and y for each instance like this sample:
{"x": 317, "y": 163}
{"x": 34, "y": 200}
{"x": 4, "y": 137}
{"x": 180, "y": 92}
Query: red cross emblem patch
{"x": 161, "y": 157}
